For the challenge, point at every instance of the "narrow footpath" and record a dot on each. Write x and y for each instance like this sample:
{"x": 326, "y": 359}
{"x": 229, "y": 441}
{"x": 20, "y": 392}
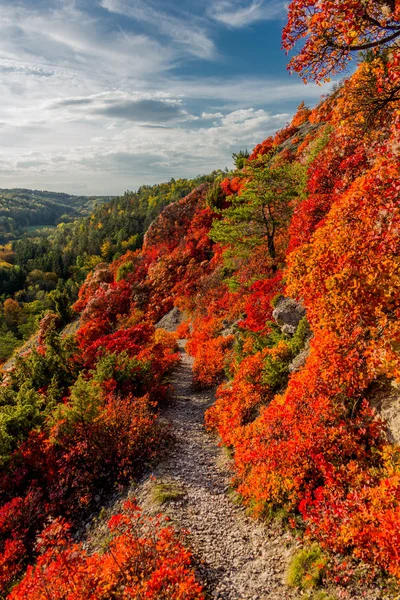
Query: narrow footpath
{"x": 237, "y": 557}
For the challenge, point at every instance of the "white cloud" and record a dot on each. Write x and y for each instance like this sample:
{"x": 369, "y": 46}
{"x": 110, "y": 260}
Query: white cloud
{"x": 239, "y": 91}
{"x": 241, "y": 13}
{"x": 134, "y": 154}
{"x": 209, "y": 116}
{"x": 141, "y": 107}
{"x": 185, "y": 30}
{"x": 72, "y": 40}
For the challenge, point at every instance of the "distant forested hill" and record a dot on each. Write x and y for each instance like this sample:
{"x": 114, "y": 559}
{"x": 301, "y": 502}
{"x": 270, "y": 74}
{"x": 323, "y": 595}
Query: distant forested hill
{"x": 43, "y": 272}
{"x": 22, "y": 210}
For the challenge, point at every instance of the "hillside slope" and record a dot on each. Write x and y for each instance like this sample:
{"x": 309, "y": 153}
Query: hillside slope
{"x": 307, "y": 446}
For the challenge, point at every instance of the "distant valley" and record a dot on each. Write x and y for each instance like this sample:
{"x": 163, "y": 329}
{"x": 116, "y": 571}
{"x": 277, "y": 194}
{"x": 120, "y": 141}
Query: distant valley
{"x": 26, "y": 212}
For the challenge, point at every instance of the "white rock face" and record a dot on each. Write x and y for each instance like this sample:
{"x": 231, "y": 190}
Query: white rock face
{"x": 385, "y": 398}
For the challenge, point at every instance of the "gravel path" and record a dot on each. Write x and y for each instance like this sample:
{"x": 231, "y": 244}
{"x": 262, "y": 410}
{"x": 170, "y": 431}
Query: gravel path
{"x": 237, "y": 558}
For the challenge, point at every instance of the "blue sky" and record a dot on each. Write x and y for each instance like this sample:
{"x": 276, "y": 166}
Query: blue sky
{"x": 100, "y": 96}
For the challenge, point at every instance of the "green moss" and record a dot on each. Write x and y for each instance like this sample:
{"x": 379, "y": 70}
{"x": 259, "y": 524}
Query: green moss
{"x": 164, "y": 492}
{"x": 275, "y": 300}
{"x": 307, "y": 568}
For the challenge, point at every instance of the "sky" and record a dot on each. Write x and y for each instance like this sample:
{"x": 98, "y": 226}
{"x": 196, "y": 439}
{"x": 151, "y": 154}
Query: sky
{"x": 101, "y": 96}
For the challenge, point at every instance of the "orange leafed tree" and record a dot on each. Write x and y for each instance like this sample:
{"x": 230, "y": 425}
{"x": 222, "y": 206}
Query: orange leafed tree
{"x": 335, "y": 29}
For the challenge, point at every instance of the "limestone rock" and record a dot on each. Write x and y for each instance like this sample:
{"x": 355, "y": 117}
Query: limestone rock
{"x": 171, "y": 320}
{"x": 288, "y": 314}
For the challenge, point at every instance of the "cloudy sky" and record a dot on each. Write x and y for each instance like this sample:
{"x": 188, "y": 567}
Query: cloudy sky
{"x": 100, "y": 96}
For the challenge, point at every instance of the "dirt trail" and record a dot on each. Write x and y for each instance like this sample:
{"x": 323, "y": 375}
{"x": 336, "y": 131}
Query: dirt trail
{"x": 238, "y": 559}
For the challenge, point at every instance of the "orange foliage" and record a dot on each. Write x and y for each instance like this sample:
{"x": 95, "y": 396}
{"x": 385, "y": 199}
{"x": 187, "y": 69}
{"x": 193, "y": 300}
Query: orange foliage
{"x": 349, "y": 275}
{"x": 334, "y": 30}
{"x": 210, "y": 360}
{"x": 143, "y": 560}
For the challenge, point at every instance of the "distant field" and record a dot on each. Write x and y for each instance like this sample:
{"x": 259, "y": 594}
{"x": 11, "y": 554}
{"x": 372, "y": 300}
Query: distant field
{"x": 39, "y": 228}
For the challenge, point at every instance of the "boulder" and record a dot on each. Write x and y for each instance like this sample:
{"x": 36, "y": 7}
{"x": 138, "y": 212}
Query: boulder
{"x": 171, "y": 320}
{"x": 288, "y": 314}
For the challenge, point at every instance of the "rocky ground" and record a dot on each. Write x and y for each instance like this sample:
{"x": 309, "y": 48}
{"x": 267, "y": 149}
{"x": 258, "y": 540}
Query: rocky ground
{"x": 236, "y": 557}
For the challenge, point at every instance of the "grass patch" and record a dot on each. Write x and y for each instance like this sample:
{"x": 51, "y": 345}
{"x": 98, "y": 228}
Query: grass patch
{"x": 235, "y": 497}
{"x": 164, "y": 492}
{"x": 307, "y": 568}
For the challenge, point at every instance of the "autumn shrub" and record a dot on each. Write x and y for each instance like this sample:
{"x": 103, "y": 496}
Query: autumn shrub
{"x": 301, "y": 116}
{"x": 210, "y": 361}
{"x": 129, "y": 340}
{"x": 344, "y": 294}
{"x": 238, "y": 400}
{"x": 259, "y": 307}
{"x": 95, "y": 450}
{"x": 167, "y": 339}
{"x": 319, "y": 225}
{"x": 261, "y": 149}
{"x": 203, "y": 329}
{"x": 183, "y": 330}
{"x": 143, "y": 559}
{"x": 95, "y": 443}
{"x": 19, "y": 520}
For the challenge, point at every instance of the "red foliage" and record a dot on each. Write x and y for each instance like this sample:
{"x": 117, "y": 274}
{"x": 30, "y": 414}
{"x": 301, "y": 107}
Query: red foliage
{"x": 334, "y": 30}
{"x": 315, "y": 450}
{"x": 258, "y": 307}
{"x": 232, "y": 186}
{"x": 210, "y": 361}
{"x": 330, "y": 174}
{"x": 264, "y": 148}
{"x": 139, "y": 562}
{"x": 302, "y": 115}
{"x": 284, "y": 134}
{"x": 130, "y": 341}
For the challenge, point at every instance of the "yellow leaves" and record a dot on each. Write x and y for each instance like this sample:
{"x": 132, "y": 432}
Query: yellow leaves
{"x": 106, "y": 249}
{"x": 131, "y": 241}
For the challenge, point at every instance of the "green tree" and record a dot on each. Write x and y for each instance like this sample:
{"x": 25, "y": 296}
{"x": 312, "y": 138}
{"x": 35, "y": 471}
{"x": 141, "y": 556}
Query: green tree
{"x": 240, "y": 158}
{"x": 262, "y": 210}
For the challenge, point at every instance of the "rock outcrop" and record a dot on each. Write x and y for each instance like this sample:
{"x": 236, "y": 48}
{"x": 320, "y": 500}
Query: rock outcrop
{"x": 171, "y": 320}
{"x": 300, "y": 360}
{"x": 288, "y": 314}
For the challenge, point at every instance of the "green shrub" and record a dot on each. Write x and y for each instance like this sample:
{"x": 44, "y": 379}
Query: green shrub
{"x": 123, "y": 270}
{"x": 307, "y": 568}
{"x": 276, "y": 372}
{"x": 300, "y": 337}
